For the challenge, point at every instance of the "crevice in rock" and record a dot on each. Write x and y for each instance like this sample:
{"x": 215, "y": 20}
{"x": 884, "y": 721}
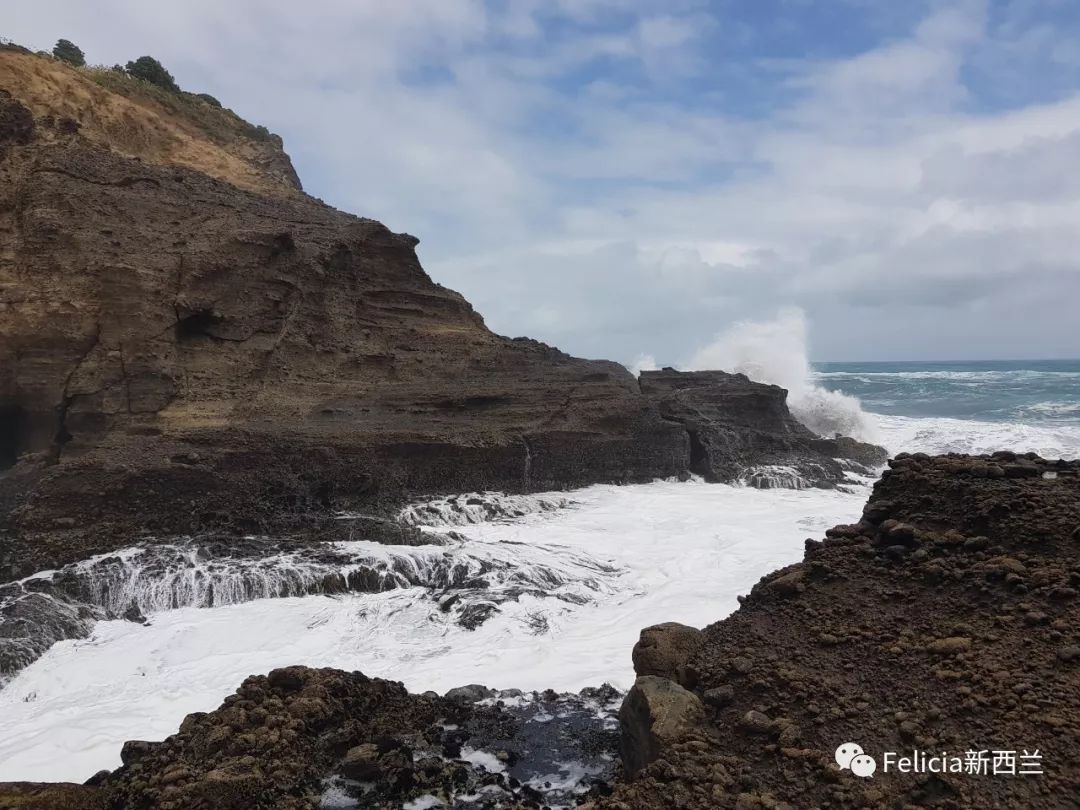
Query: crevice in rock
{"x": 196, "y": 324}
{"x": 124, "y": 376}
{"x": 699, "y": 454}
{"x": 12, "y": 427}
{"x": 63, "y": 435}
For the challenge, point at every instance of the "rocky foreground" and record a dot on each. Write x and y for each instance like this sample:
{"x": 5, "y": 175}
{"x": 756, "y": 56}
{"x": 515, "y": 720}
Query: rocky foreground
{"x": 947, "y": 620}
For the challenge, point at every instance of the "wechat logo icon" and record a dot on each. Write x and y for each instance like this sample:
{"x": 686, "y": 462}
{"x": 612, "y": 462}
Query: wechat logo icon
{"x": 850, "y": 756}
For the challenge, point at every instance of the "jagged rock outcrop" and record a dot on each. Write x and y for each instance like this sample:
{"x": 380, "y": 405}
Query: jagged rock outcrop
{"x": 188, "y": 343}
{"x": 736, "y": 426}
{"x": 947, "y": 620}
{"x": 304, "y": 738}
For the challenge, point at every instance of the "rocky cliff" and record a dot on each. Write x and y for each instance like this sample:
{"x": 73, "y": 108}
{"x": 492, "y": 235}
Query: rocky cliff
{"x": 743, "y": 430}
{"x": 188, "y": 344}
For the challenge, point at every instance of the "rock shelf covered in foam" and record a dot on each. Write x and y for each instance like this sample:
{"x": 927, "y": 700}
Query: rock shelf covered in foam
{"x": 466, "y": 580}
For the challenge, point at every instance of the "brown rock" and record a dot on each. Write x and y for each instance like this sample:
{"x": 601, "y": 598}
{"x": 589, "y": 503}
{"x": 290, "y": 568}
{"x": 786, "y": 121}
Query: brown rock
{"x": 655, "y": 713}
{"x": 361, "y": 763}
{"x": 950, "y": 646}
{"x": 756, "y": 722}
{"x": 665, "y": 650}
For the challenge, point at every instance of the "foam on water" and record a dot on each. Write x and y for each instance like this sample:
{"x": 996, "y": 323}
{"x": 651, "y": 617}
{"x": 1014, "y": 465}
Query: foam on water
{"x": 942, "y": 435}
{"x": 480, "y": 507}
{"x": 470, "y": 579}
{"x": 637, "y": 554}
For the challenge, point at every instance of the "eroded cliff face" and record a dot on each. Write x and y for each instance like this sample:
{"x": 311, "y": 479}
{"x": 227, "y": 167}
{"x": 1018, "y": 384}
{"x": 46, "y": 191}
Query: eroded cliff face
{"x": 743, "y": 430}
{"x": 186, "y": 347}
{"x": 177, "y": 354}
{"x": 140, "y": 121}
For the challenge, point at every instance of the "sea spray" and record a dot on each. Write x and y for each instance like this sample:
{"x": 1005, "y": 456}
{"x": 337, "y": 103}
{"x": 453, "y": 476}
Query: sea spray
{"x": 776, "y": 352}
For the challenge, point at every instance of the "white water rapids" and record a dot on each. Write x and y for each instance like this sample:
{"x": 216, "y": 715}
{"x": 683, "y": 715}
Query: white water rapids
{"x": 616, "y": 560}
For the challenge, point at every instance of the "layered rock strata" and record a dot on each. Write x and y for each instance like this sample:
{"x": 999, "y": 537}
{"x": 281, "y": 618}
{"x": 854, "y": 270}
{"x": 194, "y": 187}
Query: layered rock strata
{"x": 190, "y": 344}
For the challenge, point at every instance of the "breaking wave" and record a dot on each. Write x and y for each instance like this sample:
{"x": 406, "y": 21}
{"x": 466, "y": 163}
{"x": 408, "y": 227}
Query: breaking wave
{"x": 776, "y": 352}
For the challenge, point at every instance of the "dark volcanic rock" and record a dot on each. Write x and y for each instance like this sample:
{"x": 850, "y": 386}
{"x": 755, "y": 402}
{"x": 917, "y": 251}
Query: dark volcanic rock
{"x": 305, "y": 738}
{"x": 948, "y": 647}
{"x": 735, "y": 425}
{"x": 189, "y": 344}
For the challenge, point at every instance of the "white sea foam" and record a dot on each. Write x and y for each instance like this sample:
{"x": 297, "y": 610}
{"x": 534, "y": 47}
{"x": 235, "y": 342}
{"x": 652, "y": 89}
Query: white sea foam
{"x": 640, "y": 554}
{"x": 934, "y": 436}
{"x": 480, "y": 507}
{"x": 1054, "y": 408}
{"x": 776, "y": 352}
{"x": 976, "y": 376}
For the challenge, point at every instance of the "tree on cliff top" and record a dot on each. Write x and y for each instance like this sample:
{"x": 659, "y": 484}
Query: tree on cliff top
{"x": 67, "y": 51}
{"x": 149, "y": 69}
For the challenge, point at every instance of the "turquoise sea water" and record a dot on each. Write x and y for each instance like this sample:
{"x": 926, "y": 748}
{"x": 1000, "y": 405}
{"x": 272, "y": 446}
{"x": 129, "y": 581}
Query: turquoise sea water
{"x": 1035, "y": 392}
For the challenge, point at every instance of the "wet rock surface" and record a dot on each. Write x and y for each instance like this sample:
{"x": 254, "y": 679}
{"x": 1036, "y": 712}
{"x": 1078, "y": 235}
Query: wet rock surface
{"x": 742, "y": 430}
{"x": 947, "y": 620}
{"x": 309, "y": 738}
{"x": 465, "y": 583}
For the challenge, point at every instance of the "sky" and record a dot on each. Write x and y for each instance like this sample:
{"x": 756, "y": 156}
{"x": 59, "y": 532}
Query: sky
{"x": 626, "y": 179}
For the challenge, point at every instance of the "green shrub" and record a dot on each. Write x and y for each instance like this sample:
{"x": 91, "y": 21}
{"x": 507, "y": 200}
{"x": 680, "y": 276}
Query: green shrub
{"x": 209, "y": 99}
{"x": 67, "y": 51}
{"x": 150, "y": 70}
{"x": 220, "y": 123}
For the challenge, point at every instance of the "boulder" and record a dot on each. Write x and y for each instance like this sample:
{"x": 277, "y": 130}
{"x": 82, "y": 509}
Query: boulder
{"x": 361, "y": 763}
{"x": 665, "y": 650}
{"x": 656, "y": 713}
{"x": 472, "y": 693}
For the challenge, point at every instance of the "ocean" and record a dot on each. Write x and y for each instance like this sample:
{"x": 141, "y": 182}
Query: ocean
{"x": 1043, "y": 392}
{"x": 966, "y": 407}
{"x": 614, "y": 559}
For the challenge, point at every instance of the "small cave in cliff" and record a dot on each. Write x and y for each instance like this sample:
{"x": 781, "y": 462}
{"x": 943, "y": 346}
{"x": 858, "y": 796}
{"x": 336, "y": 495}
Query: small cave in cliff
{"x": 12, "y": 426}
{"x": 699, "y": 456}
{"x": 196, "y": 324}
